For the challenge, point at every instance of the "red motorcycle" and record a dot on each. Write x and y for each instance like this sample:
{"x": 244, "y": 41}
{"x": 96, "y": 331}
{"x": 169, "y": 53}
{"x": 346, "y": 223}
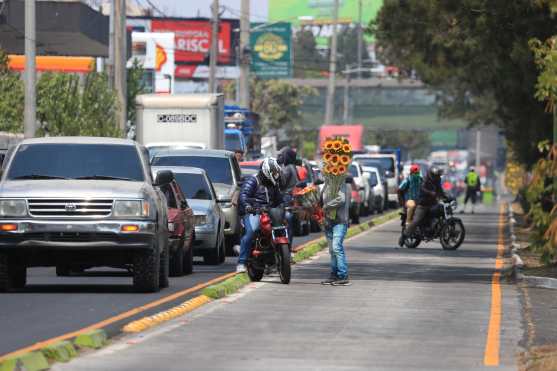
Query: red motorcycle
{"x": 270, "y": 245}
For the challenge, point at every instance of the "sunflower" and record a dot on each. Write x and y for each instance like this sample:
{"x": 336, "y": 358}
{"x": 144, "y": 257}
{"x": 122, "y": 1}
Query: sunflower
{"x": 342, "y": 169}
{"x": 328, "y": 169}
{"x": 334, "y": 160}
{"x": 327, "y": 157}
{"x": 334, "y": 170}
{"x": 337, "y": 145}
{"x": 347, "y": 148}
{"x": 344, "y": 159}
{"x": 329, "y": 145}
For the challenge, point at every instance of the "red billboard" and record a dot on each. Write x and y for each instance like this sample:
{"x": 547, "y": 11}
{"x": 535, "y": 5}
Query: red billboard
{"x": 193, "y": 39}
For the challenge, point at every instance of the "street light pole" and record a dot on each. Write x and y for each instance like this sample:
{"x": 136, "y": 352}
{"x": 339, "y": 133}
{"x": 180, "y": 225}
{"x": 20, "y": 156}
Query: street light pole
{"x": 330, "y": 103}
{"x": 244, "y": 59}
{"x": 214, "y": 52}
{"x": 120, "y": 72}
{"x": 30, "y": 112}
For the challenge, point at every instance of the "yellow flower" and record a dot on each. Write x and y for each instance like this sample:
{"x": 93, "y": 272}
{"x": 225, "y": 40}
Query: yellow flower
{"x": 328, "y": 145}
{"x": 347, "y": 148}
{"x": 344, "y": 159}
{"x": 337, "y": 145}
{"x": 334, "y": 170}
{"x": 328, "y": 169}
{"x": 327, "y": 157}
{"x": 342, "y": 169}
{"x": 334, "y": 160}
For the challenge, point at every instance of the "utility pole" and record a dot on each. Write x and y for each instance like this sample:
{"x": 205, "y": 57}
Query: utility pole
{"x": 330, "y": 103}
{"x": 345, "y": 116}
{"x": 110, "y": 62}
{"x": 214, "y": 53}
{"x": 244, "y": 57}
{"x": 30, "y": 113}
{"x": 120, "y": 83}
{"x": 360, "y": 39}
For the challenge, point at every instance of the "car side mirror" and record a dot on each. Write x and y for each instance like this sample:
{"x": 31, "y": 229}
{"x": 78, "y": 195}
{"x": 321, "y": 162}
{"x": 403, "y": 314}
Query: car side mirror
{"x": 164, "y": 177}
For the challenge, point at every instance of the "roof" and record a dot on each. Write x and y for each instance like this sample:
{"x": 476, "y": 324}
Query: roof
{"x": 179, "y": 169}
{"x": 194, "y": 152}
{"x": 79, "y": 140}
{"x": 177, "y": 100}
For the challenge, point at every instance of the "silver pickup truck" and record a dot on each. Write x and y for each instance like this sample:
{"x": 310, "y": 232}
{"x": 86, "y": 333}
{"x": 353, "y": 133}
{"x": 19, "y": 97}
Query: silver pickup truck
{"x": 82, "y": 202}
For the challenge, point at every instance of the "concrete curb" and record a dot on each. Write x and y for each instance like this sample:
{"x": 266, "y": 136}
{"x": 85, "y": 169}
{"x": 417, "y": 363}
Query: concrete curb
{"x": 60, "y": 352}
{"x": 93, "y": 339}
{"x": 32, "y": 361}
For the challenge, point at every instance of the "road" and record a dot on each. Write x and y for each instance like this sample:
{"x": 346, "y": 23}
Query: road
{"x": 425, "y": 309}
{"x": 52, "y": 306}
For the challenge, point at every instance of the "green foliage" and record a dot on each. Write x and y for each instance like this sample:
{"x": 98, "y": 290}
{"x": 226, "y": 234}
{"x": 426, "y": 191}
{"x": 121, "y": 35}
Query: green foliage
{"x": 11, "y": 97}
{"x": 307, "y": 62}
{"x": 348, "y": 48}
{"x": 136, "y": 86}
{"x": 416, "y": 143}
{"x": 68, "y": 106}
{"x": 476, "y": 53}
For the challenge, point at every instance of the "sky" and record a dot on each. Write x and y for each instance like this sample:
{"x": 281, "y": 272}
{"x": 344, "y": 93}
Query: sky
{"x": 191, "y": 8}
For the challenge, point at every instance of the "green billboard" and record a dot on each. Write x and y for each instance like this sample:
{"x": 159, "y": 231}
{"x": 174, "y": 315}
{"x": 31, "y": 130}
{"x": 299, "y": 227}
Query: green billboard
{"x": 271, "y": 50}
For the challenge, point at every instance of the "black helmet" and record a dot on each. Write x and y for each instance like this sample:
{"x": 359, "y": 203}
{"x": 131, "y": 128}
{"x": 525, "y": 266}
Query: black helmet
{"x": 435, "y": 172}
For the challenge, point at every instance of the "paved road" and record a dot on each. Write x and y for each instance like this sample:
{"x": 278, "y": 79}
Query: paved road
{"x": 51, "y": 306}
{"x": 423, "y": 309}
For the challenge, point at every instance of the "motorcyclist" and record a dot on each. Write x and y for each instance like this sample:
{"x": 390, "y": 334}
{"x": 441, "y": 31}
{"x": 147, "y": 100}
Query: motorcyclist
{"x": 261, "y": 189}
{"x": 287, "y": 159}
{"x": 430, "y": 192}
{"x": 409, "y": 191}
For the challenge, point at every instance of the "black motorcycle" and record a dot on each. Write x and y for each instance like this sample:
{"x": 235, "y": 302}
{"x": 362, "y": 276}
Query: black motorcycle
{"x": 439, "y": 223}
{"x": 270, "y": 246}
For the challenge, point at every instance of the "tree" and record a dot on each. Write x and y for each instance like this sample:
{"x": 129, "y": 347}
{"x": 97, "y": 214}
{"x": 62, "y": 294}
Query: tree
{"x": 136, "y": 86}
{"x": 414, "y": 142}
{"x": 307, "y": 60}
{"x": 348, "y": 48}
{"x": 11, "y": 97}
{"x": 476, "y": 54}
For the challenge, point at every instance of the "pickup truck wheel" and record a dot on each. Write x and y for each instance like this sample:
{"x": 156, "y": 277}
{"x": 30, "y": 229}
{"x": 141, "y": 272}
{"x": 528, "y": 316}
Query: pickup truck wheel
{"x": 177, "y": 261}
{"x": 214, "y": 257}
{"x": 146, "y": 271}
{"x": 63, "y": 270}
{"x": 188, "y": 261}
{"x": 165, "y": 266}
{"x": 222, "y": 257}
{"x": 11, "y": 275}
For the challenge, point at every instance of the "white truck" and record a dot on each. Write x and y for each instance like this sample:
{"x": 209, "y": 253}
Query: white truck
{"x": 180, "y": 120}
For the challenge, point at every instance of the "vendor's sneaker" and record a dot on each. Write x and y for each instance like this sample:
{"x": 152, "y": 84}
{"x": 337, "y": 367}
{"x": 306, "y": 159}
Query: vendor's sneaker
{"x": 341, "y": 282}
{"x": 241, "y": 268}
{"x": 329, "y": 281}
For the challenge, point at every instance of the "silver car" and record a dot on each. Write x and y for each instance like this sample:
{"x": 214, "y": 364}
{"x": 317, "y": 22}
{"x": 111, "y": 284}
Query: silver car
{"x": 209, "y": 218}
{"x": 225, "y": 174}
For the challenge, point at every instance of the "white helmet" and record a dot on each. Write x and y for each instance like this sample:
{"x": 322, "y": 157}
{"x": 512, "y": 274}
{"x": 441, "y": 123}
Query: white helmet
{"x": 271, "y": 170}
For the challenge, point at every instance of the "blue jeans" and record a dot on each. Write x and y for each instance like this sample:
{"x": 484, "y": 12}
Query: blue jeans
{"x": 335, "y": 238}
{"x": 251, "y": 225}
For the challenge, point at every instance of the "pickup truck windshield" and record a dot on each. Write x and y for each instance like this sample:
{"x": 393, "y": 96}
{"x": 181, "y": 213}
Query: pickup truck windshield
{"x": 218, "y": 169}
{"x": 73, "y": 161}
{"x": 194, "y": 186}
{"x": 386, "y": 163}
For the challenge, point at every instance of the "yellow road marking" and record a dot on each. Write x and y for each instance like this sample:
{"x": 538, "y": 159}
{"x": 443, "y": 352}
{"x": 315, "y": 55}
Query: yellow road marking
{"x": 119, "y": 317}
{"x": 492, "y": 346}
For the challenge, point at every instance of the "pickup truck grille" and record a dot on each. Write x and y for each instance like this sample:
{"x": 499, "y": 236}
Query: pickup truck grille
{"x": 92, "y": 208}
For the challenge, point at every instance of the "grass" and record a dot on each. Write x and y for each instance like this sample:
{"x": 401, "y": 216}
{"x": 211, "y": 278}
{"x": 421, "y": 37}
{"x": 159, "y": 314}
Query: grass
{"x": 542, "y": 358}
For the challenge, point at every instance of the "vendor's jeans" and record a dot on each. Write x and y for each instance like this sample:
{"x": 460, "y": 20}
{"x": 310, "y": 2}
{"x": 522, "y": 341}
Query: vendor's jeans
{"x": 335, "y": 238}
{"x": 251, "y": 225}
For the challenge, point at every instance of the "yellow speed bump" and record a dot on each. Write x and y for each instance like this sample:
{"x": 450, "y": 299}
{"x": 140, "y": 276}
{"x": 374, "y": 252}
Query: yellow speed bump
{"x": 150, "y": 321}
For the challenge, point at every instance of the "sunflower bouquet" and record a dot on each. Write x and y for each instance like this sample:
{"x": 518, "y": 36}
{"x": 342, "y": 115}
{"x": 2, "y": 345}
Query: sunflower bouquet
{"x": 337, "y": 156}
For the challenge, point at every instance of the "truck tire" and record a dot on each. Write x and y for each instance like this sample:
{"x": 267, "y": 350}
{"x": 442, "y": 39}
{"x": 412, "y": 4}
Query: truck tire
{"x": 63, "y": 270}
{"x": 188, "y": 261}
{"x": 177, "y": 261}
{"x": 11, "y": 276}
{"x": 214, "y": 257}
{"x": 146, "y": 266}
{"x": 165, "y": 266}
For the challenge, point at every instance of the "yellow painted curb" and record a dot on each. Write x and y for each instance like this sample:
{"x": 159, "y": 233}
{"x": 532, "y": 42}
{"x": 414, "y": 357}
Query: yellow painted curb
{"x": 150, "y": 321}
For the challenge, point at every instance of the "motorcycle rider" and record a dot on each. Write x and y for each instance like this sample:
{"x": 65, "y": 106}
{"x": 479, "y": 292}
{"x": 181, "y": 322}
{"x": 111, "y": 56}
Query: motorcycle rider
{"x": 409, "y": 191}
{"x": 287, "y": 159}
{"x": 430, "y": 191}
{"x": 473, "y": 186}
{"x": 261, "y": 189}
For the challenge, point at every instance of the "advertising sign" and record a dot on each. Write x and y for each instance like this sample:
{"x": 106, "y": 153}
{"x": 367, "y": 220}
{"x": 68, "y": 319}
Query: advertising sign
{"x": 155, "y": 52}
{"x": 193, "y": 40}
{"x": 271, "y": 50}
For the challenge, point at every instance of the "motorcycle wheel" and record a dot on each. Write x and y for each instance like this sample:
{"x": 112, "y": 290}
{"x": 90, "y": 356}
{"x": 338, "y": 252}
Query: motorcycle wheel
{"x": 283, "y": 263}
{"x": 452, "y": 234}
{"x": 254, "y": 274}
{"x": 412, "y": 242}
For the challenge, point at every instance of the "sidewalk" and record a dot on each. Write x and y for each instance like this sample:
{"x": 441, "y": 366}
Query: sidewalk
{"x": 407, "y": 309}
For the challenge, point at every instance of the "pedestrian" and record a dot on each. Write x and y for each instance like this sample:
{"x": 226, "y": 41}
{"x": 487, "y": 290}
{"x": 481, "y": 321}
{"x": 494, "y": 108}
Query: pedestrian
{"x": 473, "y": 186}
{"x": 336, "y": 212}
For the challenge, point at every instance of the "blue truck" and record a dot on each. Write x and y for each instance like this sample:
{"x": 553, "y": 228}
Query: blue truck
{"x": 239, "y": 119}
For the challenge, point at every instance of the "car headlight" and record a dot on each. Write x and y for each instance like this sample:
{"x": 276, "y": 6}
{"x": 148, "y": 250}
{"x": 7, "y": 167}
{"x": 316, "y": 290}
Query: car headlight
{"x": 131, "y": 208}
{"x": 226, "y": 205}
{"x": 200, "y": 219}
{"x": 11, "y": 208}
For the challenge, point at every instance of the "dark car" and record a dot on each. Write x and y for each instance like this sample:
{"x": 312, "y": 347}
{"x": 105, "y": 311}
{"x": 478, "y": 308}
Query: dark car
{"x": 180, "y": 229}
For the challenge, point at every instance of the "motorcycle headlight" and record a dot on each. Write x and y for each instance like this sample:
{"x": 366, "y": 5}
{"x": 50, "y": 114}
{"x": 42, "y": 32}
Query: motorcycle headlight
{"x": 131, "y": 208}
{"x": 200, "y": 219}
{"x": 13, "y": 208}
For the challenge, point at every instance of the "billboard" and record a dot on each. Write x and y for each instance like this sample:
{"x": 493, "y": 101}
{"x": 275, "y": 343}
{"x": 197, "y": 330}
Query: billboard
{"x": 271, "y": 50}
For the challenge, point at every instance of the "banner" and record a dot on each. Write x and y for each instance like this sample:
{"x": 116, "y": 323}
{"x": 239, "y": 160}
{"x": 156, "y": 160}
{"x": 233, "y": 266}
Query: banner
{"x": 271, "y": 50}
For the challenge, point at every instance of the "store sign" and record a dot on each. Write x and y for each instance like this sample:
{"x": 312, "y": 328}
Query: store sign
{"x": 193, "y": 40}
{"x": 271, "y": 50}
